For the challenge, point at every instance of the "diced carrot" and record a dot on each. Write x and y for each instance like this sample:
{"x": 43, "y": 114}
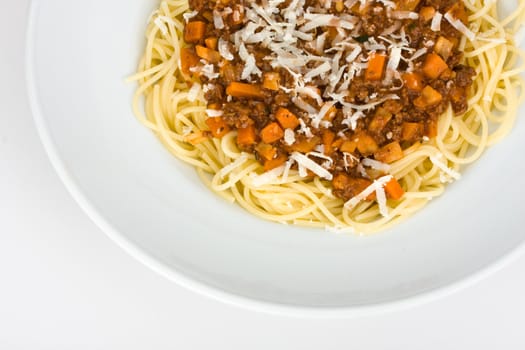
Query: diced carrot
{"x": 337, "y": 143}
{"x": 366, "y": 144}
{"x": 209, "y": 55}
{"x": 287, "y": 119}
{"x": 218, "y": 126}
{"x": 305, "y": 145}
{"x": 389, "y": 153}
{"x": 237, "y": 89}
{"x": 413, "y": 81}
{"x": 431, "y": 128}
{"x": 376, "y": 65}
{"x": 434, "y": 66}
{"x": 211, "y": 43}
{"x": 411, "y": 131}
{"x": 427, "y": 13}
{"x": 246, "y": 136}
{"x": 380, "y": 120}
{"x": 332, "y": 33}
{"x": 348, "y": 146}
{"x": 208, "y": 15}
{"x": 274, "y": 163}
{"x": 328, "y": 139}
{"x": 194, "y": 31}
{"x": 394, "y": 190}
{"x": 351, "y": 186}
{"x": 271, "y": 133}
{"x": 458, "y": 11}
{"x": 330, "y": 115}
{"x": 339, "y": 6}
{"x": 407, "y": 5}
{"x": 188, "y": 59}
{"x": 266, "y": 151}
{"x": 444, "y": 47}
{"x": 215, "y": 106}
{"x": 271, "y": 81}
{"x": 448, "y": 74}
{"x": 429, "y": 97}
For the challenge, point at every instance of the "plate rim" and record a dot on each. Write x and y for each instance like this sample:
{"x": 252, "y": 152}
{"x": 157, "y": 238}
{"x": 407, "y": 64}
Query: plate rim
{"x": 199, "y": 287}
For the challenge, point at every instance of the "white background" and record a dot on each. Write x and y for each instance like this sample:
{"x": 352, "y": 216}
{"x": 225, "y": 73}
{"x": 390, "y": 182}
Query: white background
{"x": 65, "y": 285}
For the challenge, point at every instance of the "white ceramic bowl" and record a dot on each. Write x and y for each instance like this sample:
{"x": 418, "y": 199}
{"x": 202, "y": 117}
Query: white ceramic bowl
{"x": 79, "y": 53}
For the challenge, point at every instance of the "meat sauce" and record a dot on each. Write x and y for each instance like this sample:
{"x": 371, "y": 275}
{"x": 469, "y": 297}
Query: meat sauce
{"x": 372, "y": 80}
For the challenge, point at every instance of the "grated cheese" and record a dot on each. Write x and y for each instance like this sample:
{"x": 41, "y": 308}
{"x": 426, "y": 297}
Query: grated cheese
{"x": 317, "y": 20}
{"x": 316, "y": 120}
{"x": 436, "y": 22}
{"x": 250, "y": 66}
{"x": 305, "y": 162}
{"x": 268, "y": 177}
{"x": 286, "y": 171}
{"x": 161, "y": 25}
{"x": 450, "y": 172}
{"x": 462, "y": 28}
{"x": 322, "y": 156}
{"x": 303, "y": 129}
{"x": 395, "y": 58}
{"x": 374, "y": 164}
{"x": 208, "y": 70}
{"x": 300, "y": 103}
{"x": 404, "y": 15}
{"x": 189, "y": 15}
{"x": 378, "y": 187}
{"x": 232, "y": 166}
{"x": 289, "y": 137}
{"x": 351, "y": 118}
{"x": 194, "y": 92}
{"x": 224, "y": 50}
{"x": 323, "y": 68}
{"x": 213, "y": 113}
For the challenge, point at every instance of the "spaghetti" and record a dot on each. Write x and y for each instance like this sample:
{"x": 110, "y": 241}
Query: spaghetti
{"x": 176, "y": 111}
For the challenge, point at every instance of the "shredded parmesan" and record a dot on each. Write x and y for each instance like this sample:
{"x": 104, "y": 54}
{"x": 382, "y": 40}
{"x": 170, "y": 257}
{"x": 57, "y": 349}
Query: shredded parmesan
{"x": 404, "y": 15}
{"x": 189, "y": 15}
{"x": 161, "y": 25}
{"x": 232, "y": 166}
{"x": 224, "y": 50}
{"x": 436, "y": 22}
{"x": 374, "y": 164}
{"x": 395, "y": 58}
{"x": 194, "y": 92}
{"x": 268, "y": 177}
{"x": 213, "y": 113}
{"x": 289, "y": 137}
{"x": 309, "y": 164}
{"x": 456, "y": 23}
{"x": 377, "y": 186}
{"x": 450, "y": 172}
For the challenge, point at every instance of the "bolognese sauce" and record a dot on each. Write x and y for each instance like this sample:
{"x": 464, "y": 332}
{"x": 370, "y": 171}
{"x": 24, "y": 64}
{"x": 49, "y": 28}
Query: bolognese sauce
{"x": 335, "y": 89}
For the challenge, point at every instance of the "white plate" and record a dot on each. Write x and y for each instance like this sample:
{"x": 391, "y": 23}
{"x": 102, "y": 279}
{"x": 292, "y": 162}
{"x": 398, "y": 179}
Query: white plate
{"x": 155, "y": 207}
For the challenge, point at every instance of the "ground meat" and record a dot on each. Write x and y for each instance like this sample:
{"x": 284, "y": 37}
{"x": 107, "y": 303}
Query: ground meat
{"x": 281, "y": 99}
{"x": 237, "y": 114}
{"x": 196, "y": 5}
{"x": 396, "y": 111}
{"x": 464, "y": 75}
{"x": 215, "y": 94}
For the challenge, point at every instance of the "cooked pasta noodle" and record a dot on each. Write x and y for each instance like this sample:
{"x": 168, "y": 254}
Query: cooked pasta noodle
{"x": 165, "y": 104}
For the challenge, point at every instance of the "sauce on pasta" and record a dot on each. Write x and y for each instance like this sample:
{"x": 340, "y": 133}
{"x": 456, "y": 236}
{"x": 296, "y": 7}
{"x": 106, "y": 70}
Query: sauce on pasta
{"x": 349, "y": 115}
